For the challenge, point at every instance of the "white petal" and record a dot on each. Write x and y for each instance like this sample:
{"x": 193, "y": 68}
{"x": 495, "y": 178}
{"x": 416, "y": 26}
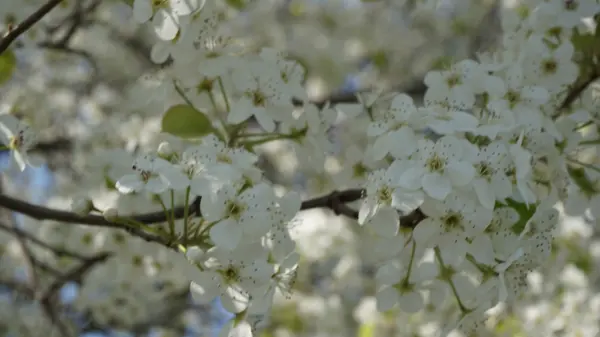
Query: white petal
{"x": 236, "y": 329}
{"x": 535, "y": 95}
{"x": 185, "y": 7}
{"x": 239, "y": 113}
{"x": 166, "y": 25}
{"x": 367, "y": 210}
{"x": 265, "y": 121}
{"x": 204, "y": 288}
{"x": 226, "y": 234}
{"x": 405, "y": 142}
{"x": 142, "y": 10}
{"x": 156, "y": 185}
{"x": 381, "y": 147}
{"x": 484, "y": 193}
{"x": 501, "y": 186}
{"x": 449, "y": 146}
{"x": 460, "y": 173}
{"x": 426, "y": 230}
{"x": 19, "y": 160}
{"x": 290, "y": 203}
{"x": 234, "y": 299}
{"x": 411, "y": 178}
{"x": 386, "y": 298}
{"x": 177, "y": 180}
{"x": 130, "y": 183}
{"x": 482, "y": 249}
{"x": 389, "y": 273}
{"x": 160, "y": 52}
{"x": 411, "y": 302}
{"x": 463, "y": 121}
{"x": 436, "y": 185}
{"x": 385, "y": 222}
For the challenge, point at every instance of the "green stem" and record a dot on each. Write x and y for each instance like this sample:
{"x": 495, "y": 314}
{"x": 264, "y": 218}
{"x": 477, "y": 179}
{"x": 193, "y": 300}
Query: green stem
{"x": 170, "y": 220}
{"x": 438, "y": 256}
{"x": 182, "y": 94}
{"x": 589, "y": 166}
{"x": 213, "y": 101}
{"x": 588, "y": 123}
{"x": 276, "y": 136}
{"x": 222, "y": 88}
{"x": 590, "y": 142}
{"x": 173, "y": 211}
{"x": 186, "y": 211}
{"x": 410, "y": 264}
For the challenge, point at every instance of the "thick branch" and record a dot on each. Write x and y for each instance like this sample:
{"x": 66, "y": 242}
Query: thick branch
{"x": 578, "y": 89}
{"x": 26, "y": 24}
{"x": 58, "y": 144}
{"x": 336, "y": 201}
{"x": 44, "y": 213}
{"x": 349, "y": 98}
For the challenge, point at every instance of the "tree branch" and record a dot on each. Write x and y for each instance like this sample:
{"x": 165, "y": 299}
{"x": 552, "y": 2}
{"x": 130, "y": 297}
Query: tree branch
{"x": 336, "y": 201}
{"x": 58, "y": 144}
{"x": 74, "y": 274}
{"x": 46, "y": 298}
{"x": 349, "y": 98}
{"x": 26, "y": 24}
{"x": 59, "y": 252}
{"x": 44, "y": 213}
{"x": 578, "y": 89}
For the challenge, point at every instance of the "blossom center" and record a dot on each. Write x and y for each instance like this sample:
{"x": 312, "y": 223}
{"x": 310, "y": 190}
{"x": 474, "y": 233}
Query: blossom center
{"x": 571, "y": 5}
{"x": 17, "y": 141}
{"x": 224, "y": 158}
{"x": 234, "y": 209}
{"x": 453, "y": 80}
{"x": 258, "y": 98}
{"x": 146, "y": 175}
{"x": 549, "y": 66}
{"x": 513, "y": 97}
{"x": 453, "y": 221}
{"x": 436, "y": 164}
{"x": 359, "y": 170}
{"x": 230, "y": 274}
{"x": 484, "y": 170}
{"x": 385, "y": 194}
{"x": 157, "y": 4}
{"x": 205, "y": 85}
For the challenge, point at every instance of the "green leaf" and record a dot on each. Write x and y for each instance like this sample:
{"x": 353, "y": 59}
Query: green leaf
{"x": 8, "y": 63}
{"x": 582, "y": 181}
{"x": 525, "y": 213}
{"x": 109, "y": 183}
{"x": 186, "y": 122}
{"x": 237, "y": 4}
{"x": 509, "y": 326}
{"x": 366, "y": 330}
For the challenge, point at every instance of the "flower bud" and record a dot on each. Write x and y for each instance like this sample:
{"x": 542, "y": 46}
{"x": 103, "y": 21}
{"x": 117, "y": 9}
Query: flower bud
{"x": 194, "y": 254}
{"x": 111, "y": 214}
{"x": 165, "y": 150}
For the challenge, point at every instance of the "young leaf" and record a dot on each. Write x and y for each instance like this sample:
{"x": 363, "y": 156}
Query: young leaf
{"x": 8, "y": 63}
{"x": 185, "y": 121}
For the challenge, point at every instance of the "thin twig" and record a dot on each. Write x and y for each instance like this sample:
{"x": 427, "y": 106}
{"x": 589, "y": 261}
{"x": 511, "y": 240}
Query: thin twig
{"x": 33, "y": 239}
{"x": 26, "y": 24}
{"x": 74, "y": 274}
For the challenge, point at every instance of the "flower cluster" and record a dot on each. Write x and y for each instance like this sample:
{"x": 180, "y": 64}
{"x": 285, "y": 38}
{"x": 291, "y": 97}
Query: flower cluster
{"x": 459, "y": 192}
